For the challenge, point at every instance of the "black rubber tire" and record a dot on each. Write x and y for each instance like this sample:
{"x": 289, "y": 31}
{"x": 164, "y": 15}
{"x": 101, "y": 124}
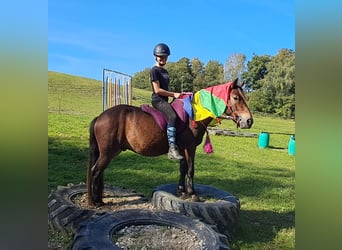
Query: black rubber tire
{"x": 97, "y": 234}
{"x": 223, "y": 213}
{"x": 65, "y": 215}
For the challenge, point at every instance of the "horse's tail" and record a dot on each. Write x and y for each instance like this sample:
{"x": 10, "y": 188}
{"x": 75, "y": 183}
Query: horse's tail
{"x": 93, "y": 156}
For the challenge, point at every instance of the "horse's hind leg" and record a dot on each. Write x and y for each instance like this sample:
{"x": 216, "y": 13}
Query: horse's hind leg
{"x": 97, "y": 185}
{"x": 190, "y": 158}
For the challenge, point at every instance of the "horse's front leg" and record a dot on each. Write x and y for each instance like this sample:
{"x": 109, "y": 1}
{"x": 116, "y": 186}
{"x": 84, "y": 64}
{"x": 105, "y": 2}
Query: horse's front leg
{"x": 190, "y": 174}
{"x": 186, "y": 169}
{"x": 183, "y": 169}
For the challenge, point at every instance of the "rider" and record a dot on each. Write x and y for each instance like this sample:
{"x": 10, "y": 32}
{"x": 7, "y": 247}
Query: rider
{"x": 160, "y": 95}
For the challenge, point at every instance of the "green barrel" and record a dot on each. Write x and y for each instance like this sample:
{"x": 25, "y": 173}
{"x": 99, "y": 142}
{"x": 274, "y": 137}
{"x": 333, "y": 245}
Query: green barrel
{"x": 264, "y": 140}
{"x": 291, "y": 149}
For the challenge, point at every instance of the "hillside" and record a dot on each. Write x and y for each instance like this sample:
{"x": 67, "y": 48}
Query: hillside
{"x": 68, "y": 94}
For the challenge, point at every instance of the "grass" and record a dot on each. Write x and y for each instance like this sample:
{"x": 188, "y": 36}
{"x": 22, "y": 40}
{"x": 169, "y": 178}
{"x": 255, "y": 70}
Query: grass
{"x": 263, "y": 179}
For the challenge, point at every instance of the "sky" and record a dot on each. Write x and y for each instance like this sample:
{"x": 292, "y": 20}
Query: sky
{"x": 87, "y": 36}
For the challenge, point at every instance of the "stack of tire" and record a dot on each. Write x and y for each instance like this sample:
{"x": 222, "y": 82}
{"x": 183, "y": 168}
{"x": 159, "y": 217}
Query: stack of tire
{"x": 213, "y": 222}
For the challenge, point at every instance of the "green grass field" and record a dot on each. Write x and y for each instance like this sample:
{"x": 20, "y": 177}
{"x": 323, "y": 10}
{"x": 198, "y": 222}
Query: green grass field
{"x": 263, "y": 179}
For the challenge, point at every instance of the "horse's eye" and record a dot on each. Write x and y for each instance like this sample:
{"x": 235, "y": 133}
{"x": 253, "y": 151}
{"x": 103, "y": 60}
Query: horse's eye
{"x": 236, "y": 98}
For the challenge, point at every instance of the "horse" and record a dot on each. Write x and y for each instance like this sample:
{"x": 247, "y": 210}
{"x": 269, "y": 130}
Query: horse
{"x": 126, "y": 127}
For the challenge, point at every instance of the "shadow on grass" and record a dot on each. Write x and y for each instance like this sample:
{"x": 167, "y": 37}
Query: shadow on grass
{"x": 279, "y": 148}
{"x": 67, "y": 162}
{"x": 278, "y": 133}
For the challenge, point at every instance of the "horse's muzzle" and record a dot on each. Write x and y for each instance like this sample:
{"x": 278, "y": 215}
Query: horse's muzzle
{"x": 244, "y": 122}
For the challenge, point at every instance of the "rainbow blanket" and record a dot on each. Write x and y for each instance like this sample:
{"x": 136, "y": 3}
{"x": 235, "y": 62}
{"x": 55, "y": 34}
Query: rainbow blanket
{"x": 209, "y": 102}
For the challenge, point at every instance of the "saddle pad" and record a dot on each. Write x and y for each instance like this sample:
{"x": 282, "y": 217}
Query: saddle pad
{"x": 177, "y": 105}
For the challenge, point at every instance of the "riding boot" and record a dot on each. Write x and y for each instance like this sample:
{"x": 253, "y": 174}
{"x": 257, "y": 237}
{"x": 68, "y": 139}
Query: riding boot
{"x": 173, "y": 153}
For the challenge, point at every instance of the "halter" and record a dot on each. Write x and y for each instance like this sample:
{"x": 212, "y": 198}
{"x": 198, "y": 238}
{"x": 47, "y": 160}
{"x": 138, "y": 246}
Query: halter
{"x": 232, "y": 114}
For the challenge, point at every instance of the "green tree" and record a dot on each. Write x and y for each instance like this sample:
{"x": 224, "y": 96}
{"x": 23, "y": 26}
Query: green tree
{"x": 256, "y": 70}
{"x": 281, "y": 74}
{"x": 181, "y": 78}
{"x": 198, "y": 74}
{"x": 262, "y": 100}
{"x": 213, "y": 73}
{"x": 141, "y": 80}
{"x": 274, "y": 90}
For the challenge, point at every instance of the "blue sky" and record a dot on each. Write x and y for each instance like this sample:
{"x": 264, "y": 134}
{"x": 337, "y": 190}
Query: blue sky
{"x": 86, "y": 36}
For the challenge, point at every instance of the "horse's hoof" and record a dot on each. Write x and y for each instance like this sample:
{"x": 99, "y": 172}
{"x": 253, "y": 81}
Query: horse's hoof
{"x": 194, "y": 198}
{"x": 180, "y": 191}
{"x": 99, "y": 204}
{"x": 183, "y": 195}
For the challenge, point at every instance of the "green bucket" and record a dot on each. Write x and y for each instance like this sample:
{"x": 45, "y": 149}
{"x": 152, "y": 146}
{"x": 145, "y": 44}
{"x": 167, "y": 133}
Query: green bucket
{"x": 291, "y": 149}
{"x": 264, "y": 140}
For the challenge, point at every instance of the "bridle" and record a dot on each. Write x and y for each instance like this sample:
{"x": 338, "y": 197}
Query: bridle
{"x": 232, "y": 115}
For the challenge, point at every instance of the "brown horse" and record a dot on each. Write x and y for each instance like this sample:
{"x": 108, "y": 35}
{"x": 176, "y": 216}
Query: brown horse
{"x": 125, "y": 127}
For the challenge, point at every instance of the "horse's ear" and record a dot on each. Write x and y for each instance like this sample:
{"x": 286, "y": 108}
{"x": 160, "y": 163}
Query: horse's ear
{"x": 242, "y": 83}
{"x": 234, "y": 83}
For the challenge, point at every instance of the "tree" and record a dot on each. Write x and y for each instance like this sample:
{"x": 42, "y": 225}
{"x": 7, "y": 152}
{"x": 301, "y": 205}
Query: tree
{"x": 262, "y": 100}
{"x": 281, "y": 74}
{"x": 141, "y": 80}
{"x": 213, "y": 73}
{"x": 274, "y": 90}
{"x": 234, "y": 67}
{"x": 256, "y": 70}
{"x": 198, "y": 74}
{"x": 181, "y": 78}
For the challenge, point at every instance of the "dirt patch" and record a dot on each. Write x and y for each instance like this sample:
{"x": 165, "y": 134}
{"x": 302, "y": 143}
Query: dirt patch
{"x": 156, "y": 237}
{"x": 114, "y": 203}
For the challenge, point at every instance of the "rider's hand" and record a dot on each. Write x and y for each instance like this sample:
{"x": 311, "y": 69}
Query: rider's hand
{"x": 177, "y": 95}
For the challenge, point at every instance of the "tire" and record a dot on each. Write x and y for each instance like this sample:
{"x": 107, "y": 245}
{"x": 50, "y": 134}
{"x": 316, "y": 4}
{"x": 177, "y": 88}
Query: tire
{"x": 223, "y": 213}
{"x": 65, "y": 215}
{"x": 97, "y": 234}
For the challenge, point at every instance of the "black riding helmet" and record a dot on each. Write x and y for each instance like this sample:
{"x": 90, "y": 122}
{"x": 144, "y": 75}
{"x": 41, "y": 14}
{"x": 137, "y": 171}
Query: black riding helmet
{"x": 161, "y": 49}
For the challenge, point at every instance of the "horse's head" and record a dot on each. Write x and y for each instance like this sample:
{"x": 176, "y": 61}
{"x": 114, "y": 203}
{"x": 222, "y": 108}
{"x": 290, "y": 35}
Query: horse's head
{"x": 237, "y": 107}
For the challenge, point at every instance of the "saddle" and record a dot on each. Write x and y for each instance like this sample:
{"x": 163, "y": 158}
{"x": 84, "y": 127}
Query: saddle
{"x": 178, "y": 106}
